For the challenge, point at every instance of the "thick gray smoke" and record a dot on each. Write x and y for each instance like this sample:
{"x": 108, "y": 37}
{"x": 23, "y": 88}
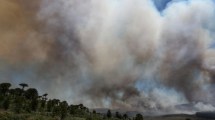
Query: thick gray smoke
{"x": 118, "y": 53}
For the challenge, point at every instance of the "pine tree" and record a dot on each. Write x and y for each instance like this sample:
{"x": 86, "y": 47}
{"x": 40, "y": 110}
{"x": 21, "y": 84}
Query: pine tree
{"x": 109, "y": 114}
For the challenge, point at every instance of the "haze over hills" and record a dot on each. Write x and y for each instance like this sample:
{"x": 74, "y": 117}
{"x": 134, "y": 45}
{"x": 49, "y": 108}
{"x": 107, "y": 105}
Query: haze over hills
{"x": 26, "y": 104}
{"x": 152, "y": 56}
{"x": 186, "y": 109}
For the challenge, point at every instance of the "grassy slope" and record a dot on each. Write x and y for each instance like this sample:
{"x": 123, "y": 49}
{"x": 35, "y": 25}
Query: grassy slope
{"x": 11, "y": 116}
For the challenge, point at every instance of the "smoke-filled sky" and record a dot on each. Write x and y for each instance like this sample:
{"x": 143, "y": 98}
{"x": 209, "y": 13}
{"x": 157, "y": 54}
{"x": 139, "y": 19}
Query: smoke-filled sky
{"x": 146, "y": 55}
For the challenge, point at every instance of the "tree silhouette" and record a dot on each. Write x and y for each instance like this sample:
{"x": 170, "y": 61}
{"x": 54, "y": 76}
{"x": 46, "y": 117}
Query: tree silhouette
{"x": 4, "y": 88}
{"x": 19, "y": 100}
{"x": 56, "y": 111}
{"x": 109, "y": 114}
{"x": 6, "y": 103}
{"x": 45, "y": 96}
{"x": 34, "y": 104}
{"x": 18, "y": 104}
{"x": 72, "y": 109}
{"x": 49, "y": 105}
{"x": 94, "y": 112}
{"x": 12, "y": 92}
{"x": 31, "y": 93}
{"x": 23, "y": 85}
{"x": 80, "y": 106}
{"x": 118, "y": 115}
{"x": 63, "y": 107}
{"x": 18, "y": 91}
{"x": 43, "y": 101}
{"x": 125, "y": 116}
{"x": 139, "y": 117}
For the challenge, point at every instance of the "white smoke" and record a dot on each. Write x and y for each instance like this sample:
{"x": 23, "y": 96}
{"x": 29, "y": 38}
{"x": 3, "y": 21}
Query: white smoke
{"x": 126, "y": 54}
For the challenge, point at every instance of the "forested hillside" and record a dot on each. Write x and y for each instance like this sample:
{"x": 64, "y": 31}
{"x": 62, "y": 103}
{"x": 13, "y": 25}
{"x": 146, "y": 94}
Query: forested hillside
{"x": 24, "y": 103}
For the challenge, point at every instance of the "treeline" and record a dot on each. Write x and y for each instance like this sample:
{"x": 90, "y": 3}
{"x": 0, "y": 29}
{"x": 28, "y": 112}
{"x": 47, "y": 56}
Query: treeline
{"x": 27, "y": 100}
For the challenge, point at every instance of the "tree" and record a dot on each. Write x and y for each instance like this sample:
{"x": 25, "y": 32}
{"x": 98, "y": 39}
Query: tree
{"x": 109, "y": 114}
{"x": 118, "y": 115}
{"x": 56, "y": 111}
{"x": 45, "y": 96}
{"x": 125, "y": 116}
{"x": 49, "y": 105}
{"x": 12, "y": 92}
{"x": 72, "y": 109}
{"x": 80, "y": 106}
{"x": 94, "y": 112}
{"x": 4, "y": 88}
{"x": 18, "y": 104}
{"x": 63, "y": 111}
{"x": 23, "y": 85}
{"x": 18, "y": 91}
{"x": 22, "y": 100}
{"x": 139, "y": 117}
{"x": 43, "y": 104}
{"x": 6, "y": 103}
{"x": 31, "y": 93}
{"x": 34, "y": 104}
{"x": 56, "y": 102}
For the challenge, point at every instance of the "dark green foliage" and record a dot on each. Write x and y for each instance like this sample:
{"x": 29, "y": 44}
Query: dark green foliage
{"x": 12, "y": 92}
{"x": 6, "y": 103}
{"x": 34, "y": 105}
{"x": 43, "y": 103}
{"x": 44, "y": 97}
{"x": 89, "y": 118}
{"x": 18, "y": 91}
{"x": 94, "y": 112}
{"x": 63, "y": 109}
{"x": 109, "y": 114}
{"x": 139, "y": 117}
{"x": 118, "y": 115}
{"x": 125, "y": 116}
{"x": 4, "y": 88}
{"x": 21, "y": 104}
{"x": 31, "y": 93}
{"x": 49, "y": 106}
{"x": 2, "y": 98}
{"x": 72, "y": 109}
{"x": 56, "y": 111}
{"x": 18, "y": 104}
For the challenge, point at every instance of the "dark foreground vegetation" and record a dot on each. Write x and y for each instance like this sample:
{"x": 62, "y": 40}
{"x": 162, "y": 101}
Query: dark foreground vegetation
{"x": 25, "y": 103}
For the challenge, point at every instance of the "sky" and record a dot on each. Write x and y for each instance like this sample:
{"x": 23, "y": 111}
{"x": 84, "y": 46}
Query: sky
{"x": 133, "y": 55}
{"x": 161, "y": 4}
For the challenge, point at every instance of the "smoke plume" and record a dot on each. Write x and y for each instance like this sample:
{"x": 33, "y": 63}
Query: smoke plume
{"x": 111, "y": 53}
